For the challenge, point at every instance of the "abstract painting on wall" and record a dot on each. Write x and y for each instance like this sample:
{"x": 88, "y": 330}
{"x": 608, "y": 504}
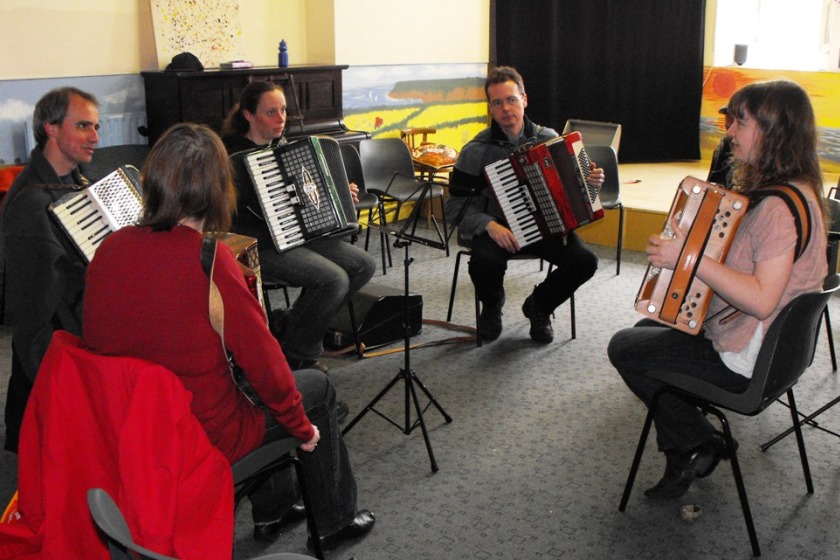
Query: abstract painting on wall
{"x": 209, "y": 29}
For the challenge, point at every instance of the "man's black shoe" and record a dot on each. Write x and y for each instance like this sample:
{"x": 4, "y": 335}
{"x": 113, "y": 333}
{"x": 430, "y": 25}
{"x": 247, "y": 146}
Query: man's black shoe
{"x": 490, "y": 320}
{"x": 359, "y": 527}
{"x": 541, "y": 329}
{"x": 268, "y": 533}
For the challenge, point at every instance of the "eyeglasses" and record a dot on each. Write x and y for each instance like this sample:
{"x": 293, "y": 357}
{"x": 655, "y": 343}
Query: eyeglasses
{"x": 513, "y": 100}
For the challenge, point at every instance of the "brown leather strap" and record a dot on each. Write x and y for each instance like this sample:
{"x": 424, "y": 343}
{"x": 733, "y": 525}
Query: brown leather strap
{"x": 798, "y": 206}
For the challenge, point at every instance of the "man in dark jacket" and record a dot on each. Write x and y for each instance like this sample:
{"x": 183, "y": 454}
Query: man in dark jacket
{"x": 45, "y": 274}
{"x": 481, "y": 219}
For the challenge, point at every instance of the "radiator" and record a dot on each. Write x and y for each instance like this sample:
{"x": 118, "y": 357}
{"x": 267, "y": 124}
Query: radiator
{"x": 114, "y": 130}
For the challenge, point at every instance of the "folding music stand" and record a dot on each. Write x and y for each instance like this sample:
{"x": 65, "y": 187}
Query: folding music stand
{"x": 406, "y": 235}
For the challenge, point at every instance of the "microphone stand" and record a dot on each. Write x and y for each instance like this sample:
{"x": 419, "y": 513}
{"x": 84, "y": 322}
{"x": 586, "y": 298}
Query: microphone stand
{"x": 406, "y": 374}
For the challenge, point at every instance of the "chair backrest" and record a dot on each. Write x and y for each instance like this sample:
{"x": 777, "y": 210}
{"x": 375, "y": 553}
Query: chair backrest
{"x": 381, "y": 159}
{"x": 605, "y": 157}
{"x": 409, "y": 136}
{"x": 108, "y": 517}
{"x": 353, "y": 166}
{"x": 595, "y": 132}
{"x": 107, "y": 159}
{"x": 788, "y": 347}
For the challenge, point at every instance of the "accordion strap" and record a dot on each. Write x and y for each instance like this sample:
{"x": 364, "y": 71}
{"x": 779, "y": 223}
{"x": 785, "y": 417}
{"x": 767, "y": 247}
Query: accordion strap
{"x": 216, "y": 305}
{"x": 798, "y": 206}
{"x": 217, "y": 319}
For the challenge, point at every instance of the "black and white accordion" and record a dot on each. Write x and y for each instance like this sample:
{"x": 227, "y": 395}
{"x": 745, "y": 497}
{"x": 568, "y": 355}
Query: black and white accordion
{"x": 542, "y": 189}
{"x": 303, "y": 191}
{"x": 88, "y": 216}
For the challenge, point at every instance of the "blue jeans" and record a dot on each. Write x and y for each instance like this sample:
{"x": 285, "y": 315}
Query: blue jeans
{"x": 650, "y": 346}
{"x": 330, "y": 271}
{"x": 328, "y": 473}
{"x": 574, "y": 263}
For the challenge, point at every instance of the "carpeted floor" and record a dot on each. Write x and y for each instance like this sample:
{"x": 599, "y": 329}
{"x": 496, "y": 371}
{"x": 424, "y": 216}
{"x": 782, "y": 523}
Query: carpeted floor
{"x": 535, "y": 459}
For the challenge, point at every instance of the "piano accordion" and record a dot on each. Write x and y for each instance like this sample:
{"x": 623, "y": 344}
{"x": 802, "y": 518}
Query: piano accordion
{"x": 302, "y": 190}
{"x": 542, "y": 189}
{"x": 88, "y": 216}
{"x": 710, "y": 216}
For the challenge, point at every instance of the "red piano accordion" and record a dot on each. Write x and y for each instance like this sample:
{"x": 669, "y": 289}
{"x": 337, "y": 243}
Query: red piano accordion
{"x": 710, "y": 216}
{"x": 542, "y": 189}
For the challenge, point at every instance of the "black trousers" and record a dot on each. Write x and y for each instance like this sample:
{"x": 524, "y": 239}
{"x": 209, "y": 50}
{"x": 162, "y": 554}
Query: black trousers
{"x": 17, "y": 396}
{"x": 574, "y": 263}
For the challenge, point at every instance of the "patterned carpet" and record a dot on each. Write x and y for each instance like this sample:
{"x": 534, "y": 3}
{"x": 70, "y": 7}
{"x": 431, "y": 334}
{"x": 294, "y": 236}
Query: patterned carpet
{"x": 535, "y": 459}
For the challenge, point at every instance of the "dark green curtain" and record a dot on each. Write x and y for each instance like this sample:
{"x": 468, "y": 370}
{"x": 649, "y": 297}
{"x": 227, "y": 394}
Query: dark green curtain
{"x": 638, "y": 63}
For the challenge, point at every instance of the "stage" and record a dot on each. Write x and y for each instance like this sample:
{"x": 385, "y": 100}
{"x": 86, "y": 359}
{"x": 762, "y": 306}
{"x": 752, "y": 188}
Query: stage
{"x": 647, "y": 191}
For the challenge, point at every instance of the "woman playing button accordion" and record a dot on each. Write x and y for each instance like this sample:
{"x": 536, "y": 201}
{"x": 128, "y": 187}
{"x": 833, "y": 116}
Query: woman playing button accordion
{"x": 774, "y": 143}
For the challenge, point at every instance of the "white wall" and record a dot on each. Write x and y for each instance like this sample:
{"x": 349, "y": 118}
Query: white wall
{"x": 408, "y": 32}
{"x": 61, "y": 38}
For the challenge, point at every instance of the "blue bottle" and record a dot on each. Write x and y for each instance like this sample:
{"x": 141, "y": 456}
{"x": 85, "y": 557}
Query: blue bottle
{"x": 283, "y": 55}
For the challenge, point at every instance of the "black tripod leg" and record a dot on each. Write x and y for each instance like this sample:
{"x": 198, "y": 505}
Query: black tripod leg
{"x": 410, "y": 385}
{"x": 431, "y": 398}
{"x": 371, "y": 404}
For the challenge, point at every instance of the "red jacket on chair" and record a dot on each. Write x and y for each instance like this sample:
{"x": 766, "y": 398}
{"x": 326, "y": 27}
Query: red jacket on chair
{"x": 125, "y": 425}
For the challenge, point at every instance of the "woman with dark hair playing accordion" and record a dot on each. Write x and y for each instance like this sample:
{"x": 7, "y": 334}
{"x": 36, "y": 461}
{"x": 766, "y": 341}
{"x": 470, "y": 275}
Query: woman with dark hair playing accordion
{"x": 774, "y": 142}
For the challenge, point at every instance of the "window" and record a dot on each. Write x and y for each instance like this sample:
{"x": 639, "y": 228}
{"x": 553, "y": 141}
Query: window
{"x": 779, "y": 34}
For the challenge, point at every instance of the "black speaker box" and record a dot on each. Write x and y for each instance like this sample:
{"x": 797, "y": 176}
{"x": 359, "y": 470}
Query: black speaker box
{"x": 380, "y": 316}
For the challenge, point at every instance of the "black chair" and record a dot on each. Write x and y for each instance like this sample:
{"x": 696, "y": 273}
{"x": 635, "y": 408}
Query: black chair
{"x": 254, "y": 468}
{"x": 610, "y": 194}
{"x": 107, "y": 159}
{"x": 832, "y": 218}
{"x": 786, "y": 352}
{"x": 595, "y": 132}
{"x": 466, "y": 251}
{"x": 389, "y": 172}
{"x": 367, "y": 200}
{"x": 110, "y": 520}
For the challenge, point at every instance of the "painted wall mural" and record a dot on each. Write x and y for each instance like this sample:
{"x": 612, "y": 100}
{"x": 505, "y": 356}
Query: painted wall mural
{"x": 386, "y": 99}
{"x": 822, "y": 87}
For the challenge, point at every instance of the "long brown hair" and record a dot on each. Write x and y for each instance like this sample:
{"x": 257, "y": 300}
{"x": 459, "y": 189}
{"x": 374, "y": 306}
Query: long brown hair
{"x": 235, "y": 121}
{"x": 787, "y": 144}
{"x": 188, "y": 175}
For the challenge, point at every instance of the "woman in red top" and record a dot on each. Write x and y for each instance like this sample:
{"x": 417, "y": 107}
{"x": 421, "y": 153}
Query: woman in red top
{"x": 147, "y": 296}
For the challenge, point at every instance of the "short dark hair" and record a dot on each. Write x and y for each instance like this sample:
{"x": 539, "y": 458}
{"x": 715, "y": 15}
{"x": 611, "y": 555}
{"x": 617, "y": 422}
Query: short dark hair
{"x": 235, "y": 122}
{"x": 188, "y": 175}
{"x": 52, "y": 108}
{"x": 502, "y": 74}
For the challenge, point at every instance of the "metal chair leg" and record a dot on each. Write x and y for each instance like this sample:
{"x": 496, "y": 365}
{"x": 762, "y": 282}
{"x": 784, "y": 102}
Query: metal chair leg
{"x": 620, "y": 242}
{"x": 830, "y": 339}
